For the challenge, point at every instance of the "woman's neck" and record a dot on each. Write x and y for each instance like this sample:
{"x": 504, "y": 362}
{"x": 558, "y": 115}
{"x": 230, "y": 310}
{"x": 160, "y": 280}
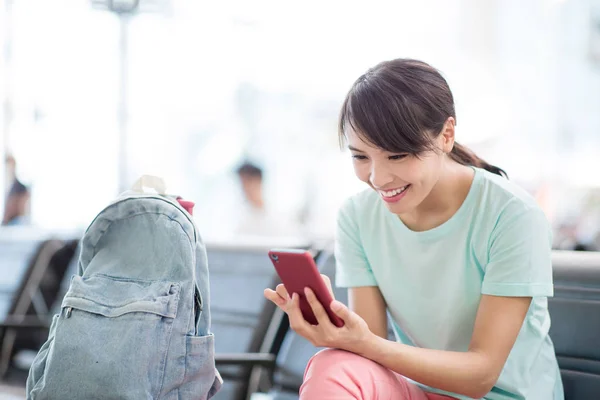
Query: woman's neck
{"x": 444, "y": 200}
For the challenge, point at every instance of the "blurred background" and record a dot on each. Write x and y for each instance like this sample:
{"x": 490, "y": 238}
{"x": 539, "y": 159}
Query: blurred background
{"x": 235, "y": 104}
{"x": 95, "y": 95}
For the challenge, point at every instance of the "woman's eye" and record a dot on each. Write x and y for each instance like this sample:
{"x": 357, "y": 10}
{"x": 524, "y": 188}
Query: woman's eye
{"x": 358, "y": 157}
{"x": 398, "y": 157}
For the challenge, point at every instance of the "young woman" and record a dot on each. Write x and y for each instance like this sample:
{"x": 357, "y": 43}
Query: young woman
{"x": 458, "y": 255}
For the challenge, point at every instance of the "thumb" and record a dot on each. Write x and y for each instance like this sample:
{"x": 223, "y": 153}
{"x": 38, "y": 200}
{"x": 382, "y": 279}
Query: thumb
{"x": 341, "y": 310}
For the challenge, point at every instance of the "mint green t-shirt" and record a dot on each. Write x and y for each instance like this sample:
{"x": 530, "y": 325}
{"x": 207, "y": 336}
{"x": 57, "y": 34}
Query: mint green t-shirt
{"x": 497, "y": 243}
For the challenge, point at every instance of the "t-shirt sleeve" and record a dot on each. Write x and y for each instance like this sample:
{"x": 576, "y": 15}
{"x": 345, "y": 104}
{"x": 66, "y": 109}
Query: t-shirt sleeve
{"x": 520, "y": 254}
{"x": 352, "y": 266}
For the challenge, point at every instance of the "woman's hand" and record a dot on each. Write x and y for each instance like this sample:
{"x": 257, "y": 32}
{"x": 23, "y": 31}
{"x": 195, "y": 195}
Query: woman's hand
{"x": 351, "y": 337}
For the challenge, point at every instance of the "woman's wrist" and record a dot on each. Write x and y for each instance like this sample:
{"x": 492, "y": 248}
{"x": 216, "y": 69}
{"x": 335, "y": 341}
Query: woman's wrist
{"x": 367, "y": 346}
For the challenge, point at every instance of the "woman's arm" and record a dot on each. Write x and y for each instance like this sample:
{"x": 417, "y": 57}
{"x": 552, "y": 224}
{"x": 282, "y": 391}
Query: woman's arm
{"x": 369, "y": 304}
{"x": 472, "y": 373}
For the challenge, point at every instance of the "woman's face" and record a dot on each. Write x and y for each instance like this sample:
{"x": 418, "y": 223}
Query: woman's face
{"x": 402, "y": 181}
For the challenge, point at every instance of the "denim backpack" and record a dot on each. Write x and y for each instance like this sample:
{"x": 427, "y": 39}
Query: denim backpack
{"x": 135, "y": 322}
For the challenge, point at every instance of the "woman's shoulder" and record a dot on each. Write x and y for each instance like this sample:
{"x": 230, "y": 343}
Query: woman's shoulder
{"x": 507, "y": 201}
{"x": 506, "y": 193}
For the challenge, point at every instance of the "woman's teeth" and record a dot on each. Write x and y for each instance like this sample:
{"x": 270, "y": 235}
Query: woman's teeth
{"x": 395, "y": 192}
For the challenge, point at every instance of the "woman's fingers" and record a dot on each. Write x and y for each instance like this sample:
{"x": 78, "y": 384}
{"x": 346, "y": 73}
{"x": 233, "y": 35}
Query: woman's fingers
{"x": 281, "y": 291}
{"x": 317, "y": 307}
{"x": 279, "y": 296}
{"x": 275, "y": 298}
{"x": 297, "y": 321}
{"x": 328, "y": 284}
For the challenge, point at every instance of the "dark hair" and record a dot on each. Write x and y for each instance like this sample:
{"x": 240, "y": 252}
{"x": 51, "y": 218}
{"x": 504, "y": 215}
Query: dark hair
{"x": 249, "y": 169}
{"x": 17, "y": 188}
{"x": 400, "y": 106}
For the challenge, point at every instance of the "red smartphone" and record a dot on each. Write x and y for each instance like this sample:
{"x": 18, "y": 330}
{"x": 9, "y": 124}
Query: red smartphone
{"x": 297, "y": 270}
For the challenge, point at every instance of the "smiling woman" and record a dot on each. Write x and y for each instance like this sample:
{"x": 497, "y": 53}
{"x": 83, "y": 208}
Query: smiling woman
{"x": 402, "y": 107}
{"x": 458, "y": 256}
{"x": 400, "y": 117}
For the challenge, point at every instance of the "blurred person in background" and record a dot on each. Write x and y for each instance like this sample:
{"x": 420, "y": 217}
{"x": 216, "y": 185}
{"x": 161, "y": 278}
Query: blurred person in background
{"x": 565, "y": 237}
{"x": 251, "y": 179}
{"x": 17, "y": 201}
{"x": 256, "y": 218}
{"x": 457, "y": 254}
{"x": 596, "y": 242}
{"x": 571, "y": 236}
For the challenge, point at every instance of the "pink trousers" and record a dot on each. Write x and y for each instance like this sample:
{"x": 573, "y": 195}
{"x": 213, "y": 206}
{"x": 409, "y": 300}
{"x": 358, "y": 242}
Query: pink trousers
{"x": 337, "y": 374}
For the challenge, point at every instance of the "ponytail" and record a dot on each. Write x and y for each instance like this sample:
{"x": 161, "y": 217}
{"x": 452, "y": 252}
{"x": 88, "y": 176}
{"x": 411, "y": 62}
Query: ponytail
{"x": 464, "y": 156}
{"x": 401, "y": 106}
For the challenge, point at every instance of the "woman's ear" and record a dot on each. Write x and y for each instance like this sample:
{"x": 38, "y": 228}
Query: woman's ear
{"x": 447, "y": 135}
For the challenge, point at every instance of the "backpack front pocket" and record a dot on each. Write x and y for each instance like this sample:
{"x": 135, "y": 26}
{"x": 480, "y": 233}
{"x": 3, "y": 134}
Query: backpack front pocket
{"x": 107, "y": 325}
